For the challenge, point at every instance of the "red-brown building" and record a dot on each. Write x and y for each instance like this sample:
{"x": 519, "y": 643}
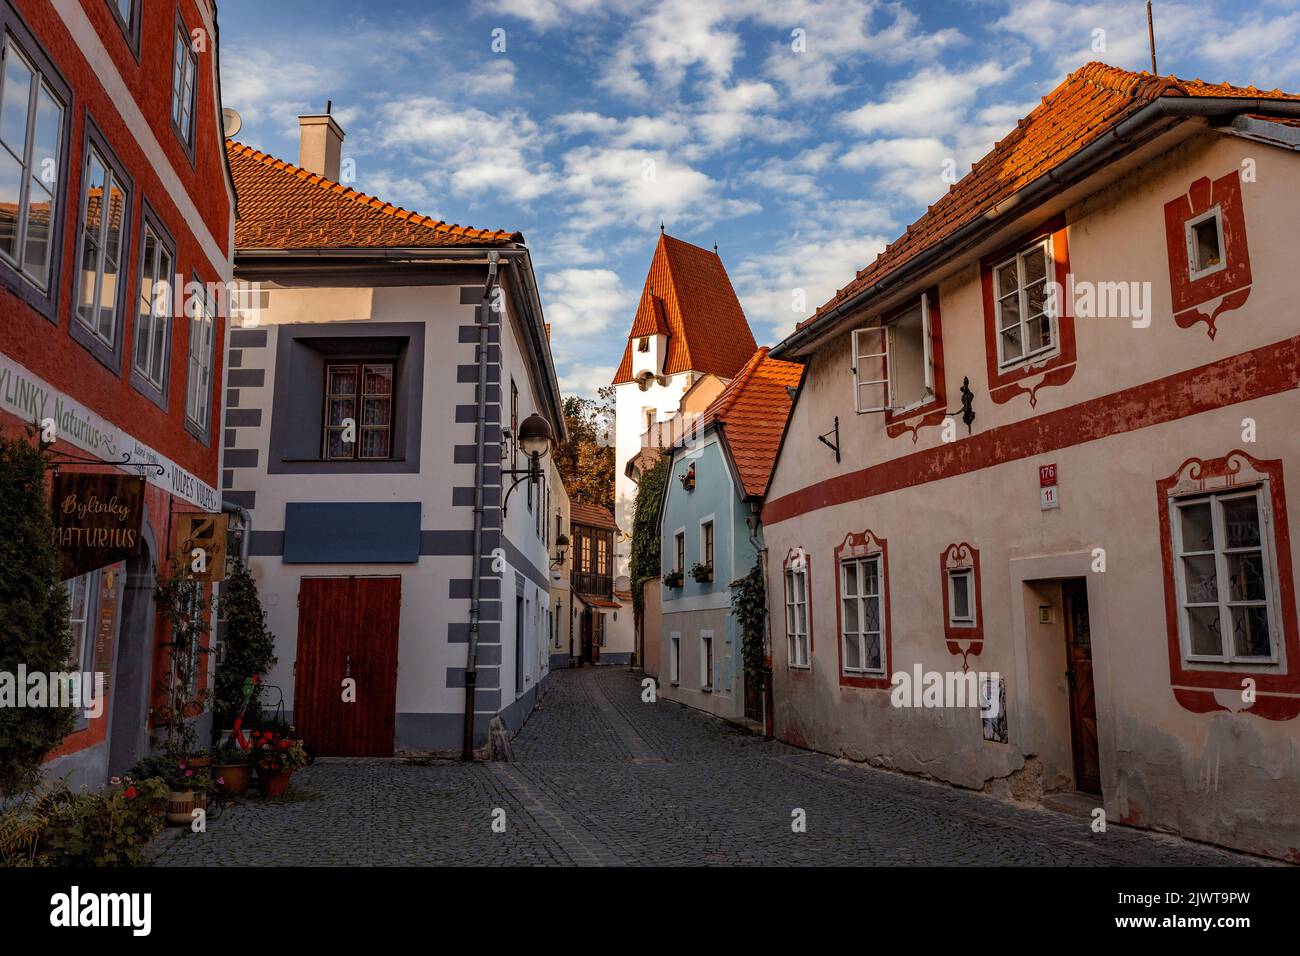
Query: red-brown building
{"x": 113, "y": 105}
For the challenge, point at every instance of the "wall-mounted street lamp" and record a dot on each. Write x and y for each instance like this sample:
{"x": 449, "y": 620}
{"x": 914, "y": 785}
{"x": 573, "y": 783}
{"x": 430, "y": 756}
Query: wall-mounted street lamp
{"x": 534, "y": 439}
{"x": 561, "y": 546}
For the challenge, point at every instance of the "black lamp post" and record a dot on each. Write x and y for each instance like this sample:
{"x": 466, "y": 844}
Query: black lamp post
{"x": 535, "y": 439}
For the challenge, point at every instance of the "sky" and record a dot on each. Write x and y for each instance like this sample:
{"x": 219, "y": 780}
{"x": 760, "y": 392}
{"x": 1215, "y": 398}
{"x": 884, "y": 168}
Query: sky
{"x": 800, "y": 136}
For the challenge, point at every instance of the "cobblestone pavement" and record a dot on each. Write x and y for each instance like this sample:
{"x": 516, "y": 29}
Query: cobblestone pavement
{"x": 600, "y": 778}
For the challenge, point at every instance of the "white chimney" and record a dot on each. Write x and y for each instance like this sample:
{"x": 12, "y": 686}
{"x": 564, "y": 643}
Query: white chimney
{"x": 320, "y": 144}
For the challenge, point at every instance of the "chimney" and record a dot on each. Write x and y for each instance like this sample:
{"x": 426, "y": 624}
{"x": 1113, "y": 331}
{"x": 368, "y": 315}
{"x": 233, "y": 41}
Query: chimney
{"x": 320, "y": 144}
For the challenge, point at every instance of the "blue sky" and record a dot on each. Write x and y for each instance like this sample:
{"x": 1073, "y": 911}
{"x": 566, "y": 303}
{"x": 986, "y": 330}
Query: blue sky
{"x": 800, "y": 136}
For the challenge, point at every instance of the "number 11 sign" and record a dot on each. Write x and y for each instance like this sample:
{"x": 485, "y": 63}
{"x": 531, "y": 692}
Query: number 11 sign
{"x": 1048, "y": 495}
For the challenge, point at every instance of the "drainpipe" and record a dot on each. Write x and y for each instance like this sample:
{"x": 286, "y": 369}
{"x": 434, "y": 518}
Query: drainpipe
{"x": 245, "y": 521}
{"x": 480, "y": 454}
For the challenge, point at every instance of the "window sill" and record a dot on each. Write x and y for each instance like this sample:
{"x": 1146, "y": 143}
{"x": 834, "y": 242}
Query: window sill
{"x": 340, "y": 461}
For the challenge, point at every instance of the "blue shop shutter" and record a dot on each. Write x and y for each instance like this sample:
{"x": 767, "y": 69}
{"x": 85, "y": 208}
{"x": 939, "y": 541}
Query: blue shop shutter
{"x": 352, "y": 532}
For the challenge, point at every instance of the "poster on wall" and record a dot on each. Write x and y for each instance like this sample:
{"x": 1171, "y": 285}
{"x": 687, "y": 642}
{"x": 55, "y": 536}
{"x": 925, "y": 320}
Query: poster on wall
{"x": 201, "y": 544}
{"x": 993, "y": 708}
{"x": 97, "y": 519}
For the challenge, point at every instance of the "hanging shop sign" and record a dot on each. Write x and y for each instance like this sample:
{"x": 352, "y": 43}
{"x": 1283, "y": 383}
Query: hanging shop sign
{"x": 97, "y": 519}
{"x": 31, "y": 399}
{"x": 201, "y": 544}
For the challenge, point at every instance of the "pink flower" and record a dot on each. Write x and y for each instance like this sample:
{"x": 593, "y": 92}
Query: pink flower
{"x": 221, "y": 781}
{"x": 189, "y": 773}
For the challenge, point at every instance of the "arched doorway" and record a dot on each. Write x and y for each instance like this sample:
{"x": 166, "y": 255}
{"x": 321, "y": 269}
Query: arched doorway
{"x": 133, "y": 665}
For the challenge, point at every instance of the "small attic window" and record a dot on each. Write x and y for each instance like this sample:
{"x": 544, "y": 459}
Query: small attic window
{"x": 1205, "y": 243}
{"x": 643, "y": 344}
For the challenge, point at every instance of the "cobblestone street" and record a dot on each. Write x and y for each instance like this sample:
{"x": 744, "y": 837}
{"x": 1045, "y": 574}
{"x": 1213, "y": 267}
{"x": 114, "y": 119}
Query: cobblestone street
{"x": 600, "y": 778}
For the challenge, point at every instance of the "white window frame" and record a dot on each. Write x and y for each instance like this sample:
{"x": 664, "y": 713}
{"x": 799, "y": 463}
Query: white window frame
{"x": 185, "y": 73}
{"x": 706, "y": 660}
{"x": 968, "y": 575}
{"x": 198, "y": 378}
{"x": 707, "y": 520}
{"x": 679, "y": 554}
{"x": 886, "y": 332}
{"x": 150, "y": 312}
{"x": 112, "y": 181}
{"x": 1050, "y": 309}
{"x": 9, "y": 46}
{"x": 796, "y": 617}
{"x": 675, "y": 656}
{"x": 861, "y": 634}
{"x": 1224, "y": 603}
{"x": 1189, "y": 232}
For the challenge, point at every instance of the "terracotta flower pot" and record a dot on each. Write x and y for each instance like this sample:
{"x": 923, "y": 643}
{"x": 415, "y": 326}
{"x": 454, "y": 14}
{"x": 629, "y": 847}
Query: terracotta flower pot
{"x": 199, "y": 761}
{"x": 237, "y": 777}
{"x": 181, "y": 804}
{"x": 273, "y": 782}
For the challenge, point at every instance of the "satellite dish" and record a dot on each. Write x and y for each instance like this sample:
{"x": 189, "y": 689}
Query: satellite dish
{"x": 231, "y": 122}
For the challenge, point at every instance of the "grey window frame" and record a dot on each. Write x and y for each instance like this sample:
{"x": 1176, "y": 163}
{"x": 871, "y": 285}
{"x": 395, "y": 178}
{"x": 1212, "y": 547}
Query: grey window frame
{"x": 108, "y": 355}
{"x": 43, "y": 300}
{"x": 158, "y": 394}
{"x": 201, "y": 431}
{"x": 186, "y": 136}
{"x": 131, "y": 26}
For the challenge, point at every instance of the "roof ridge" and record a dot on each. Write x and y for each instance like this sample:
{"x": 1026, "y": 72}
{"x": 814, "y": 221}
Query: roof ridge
{"x": 365, "y": 199}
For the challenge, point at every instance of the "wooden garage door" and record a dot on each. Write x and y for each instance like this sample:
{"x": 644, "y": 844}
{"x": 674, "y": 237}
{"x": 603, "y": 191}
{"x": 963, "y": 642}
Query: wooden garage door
{"x": 347, "y": 627}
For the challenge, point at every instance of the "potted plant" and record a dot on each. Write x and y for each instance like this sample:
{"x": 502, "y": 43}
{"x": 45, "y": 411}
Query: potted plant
{"x": 276, "y": 757}
{"x": 153, "y": 768}
{"x": 232, "y": 769}
{"x": 673, "y": 579}
{"x": 189, "y": 787}
{"x": 702, "y": 573}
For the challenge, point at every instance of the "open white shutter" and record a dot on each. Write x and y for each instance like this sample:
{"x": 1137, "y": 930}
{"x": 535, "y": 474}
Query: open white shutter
{"x": 870, "y": 353}
{"x": 927, "y": 343}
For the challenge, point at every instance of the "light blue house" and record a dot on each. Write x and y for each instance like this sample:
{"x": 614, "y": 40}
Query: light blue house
{"x": 710, "y": 536}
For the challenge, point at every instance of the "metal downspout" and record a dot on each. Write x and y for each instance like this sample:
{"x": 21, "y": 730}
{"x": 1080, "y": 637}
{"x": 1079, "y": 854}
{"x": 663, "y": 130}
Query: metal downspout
{"x": 480, "y": 453}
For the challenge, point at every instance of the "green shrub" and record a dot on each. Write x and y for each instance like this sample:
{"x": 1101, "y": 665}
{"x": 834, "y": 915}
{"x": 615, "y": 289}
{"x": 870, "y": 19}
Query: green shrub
{"x": 33, "y": 612}
{"x": 249, "y": 648}
{"x": 109, "y": 827}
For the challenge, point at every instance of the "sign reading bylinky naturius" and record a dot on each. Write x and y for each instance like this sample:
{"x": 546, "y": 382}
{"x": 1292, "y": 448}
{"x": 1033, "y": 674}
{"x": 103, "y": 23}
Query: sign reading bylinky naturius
{"x": 96, "y": 519}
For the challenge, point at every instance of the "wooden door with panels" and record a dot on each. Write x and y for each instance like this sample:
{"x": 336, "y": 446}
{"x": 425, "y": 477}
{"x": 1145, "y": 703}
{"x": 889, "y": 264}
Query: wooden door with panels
{"x": 347, "y": 628}
{"x": 1083, "y": 700}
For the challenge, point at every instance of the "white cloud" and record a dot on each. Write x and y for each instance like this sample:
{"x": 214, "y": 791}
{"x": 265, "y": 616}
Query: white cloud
{"x": 639, "y": 188}
{"x": 928, "y": 101}
{"x": 584, "y": 302}
{"x": 796, "y": 177}
{"x": 585, "y": 380}
{"x": 262, "y": 85}
{"x": 469, "y": 150}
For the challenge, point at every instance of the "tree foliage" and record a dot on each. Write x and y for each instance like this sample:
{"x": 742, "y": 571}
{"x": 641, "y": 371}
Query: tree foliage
{"x": 586, "y": 459}
{"x": 34, "y": 630}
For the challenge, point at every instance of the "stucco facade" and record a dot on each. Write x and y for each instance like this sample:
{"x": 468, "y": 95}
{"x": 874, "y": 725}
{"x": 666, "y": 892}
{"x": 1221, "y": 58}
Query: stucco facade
{"x": 1133, "y": 417}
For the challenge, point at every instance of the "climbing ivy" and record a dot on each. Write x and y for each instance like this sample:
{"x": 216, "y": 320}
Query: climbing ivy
{"x": 749, "y": 604}
{"x": 645, "y": 563}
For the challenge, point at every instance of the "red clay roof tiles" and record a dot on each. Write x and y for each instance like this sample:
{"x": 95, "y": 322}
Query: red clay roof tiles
{"x": 282, "y": 206}
{"x": 595, "y": 516}
{"x": 688, "y": 289}
{"x": 1090, "y": 101}
{"x": 753, "y": 409}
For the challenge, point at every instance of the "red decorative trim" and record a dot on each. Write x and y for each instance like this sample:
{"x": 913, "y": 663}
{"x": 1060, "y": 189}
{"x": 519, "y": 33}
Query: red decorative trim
{"x": 1194, "y": 686}
{"x": 963, "y": 556}
{"x": 1057, "y": 368}
{"x": 864, "y": 545}
{"x": 796, "y": 552}
{"x": 1231, "y": 284}
{"x": 934, "y": 411}
{"x": 1267, "y": 370}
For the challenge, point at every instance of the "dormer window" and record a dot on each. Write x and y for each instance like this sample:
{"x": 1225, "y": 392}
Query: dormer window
{"x": 1205, "y": 243}
{"x": 643, "y": 344}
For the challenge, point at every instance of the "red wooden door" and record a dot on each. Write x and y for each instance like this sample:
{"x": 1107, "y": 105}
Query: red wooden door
{"x": 1083, "y": 702}
{"x": 347, "y": 627}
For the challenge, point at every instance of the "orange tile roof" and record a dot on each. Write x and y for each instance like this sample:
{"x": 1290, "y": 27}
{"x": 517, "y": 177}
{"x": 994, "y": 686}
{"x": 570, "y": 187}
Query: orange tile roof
{"x": 688, "y": 289}
{"x": 1089, "y": 102}
{"x": 595, "y": 516}
{"x": 753, "y": 409}
{"x": 283, "y": 206}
